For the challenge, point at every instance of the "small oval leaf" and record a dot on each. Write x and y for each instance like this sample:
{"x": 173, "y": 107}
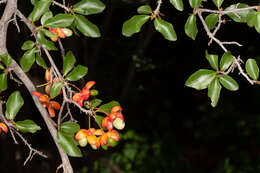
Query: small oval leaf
{"x": 213, "y": 60}
{"x": 44, "y": 42}
{"x": 178, "y": 4}
{"x": 27, "y": 126}
{"x": 28, "y": 45}
{"x": 46, "y": 16}
{"x": 3, "y": 81}
{"x": 87, "y": 7}
{"x": 60, "y": 20}
{"x": 226, "y": 60}
{"x": 218, "y": 3}
{"x": 195, "y": 3}
{"x": 40, "y": 61}
{"x": 214, "y": 89}
{"x": 86, "y": 27}
{"x": 77, "y": 73}
{"x": 144, "y": 9}
{"x": 13, "y": 105}
{"x": 252, "y": 69}
{"x": 68, "y": 63}
{"x": 240, "y": 16}
{"x": 55, "y": 89}
{"x": 190, "y": 27}
{"x": 166, "y": 29}
{"x": 69, "y": 127}
{"x": 200, "y": 79}
{"x": 228, "y": 82}
{"x": 28, "y": 60}
{"x": 211, "y": 20}
{"x": 134, "y": 25}
{"x": 7, "y": 60}
{"x": 39, "y": 9}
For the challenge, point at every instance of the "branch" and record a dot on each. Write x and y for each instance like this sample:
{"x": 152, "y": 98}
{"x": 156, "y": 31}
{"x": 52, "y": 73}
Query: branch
{"x": 10, "y": 9}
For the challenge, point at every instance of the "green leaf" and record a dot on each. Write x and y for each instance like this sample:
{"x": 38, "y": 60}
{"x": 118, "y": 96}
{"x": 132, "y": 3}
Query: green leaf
{"x": 108, "y": 106}
{"x": 13, "y": 105}
{"x": 86, "y": 27}
{"x": 49, "y": 33}
{"x": 134, "y": 25}
{"x": 252, "y": 69}
{"x": 243, "y": 14}
{"x": 195, "y": 3}
{"x": 214, "y": 89}
{"x": 190, "y": 27}
{"x": 40, "y": 61}
{"x": 218, "y": 3}
{"x": 144, "y": 9}
{"x": 39, "y": 9}
{"x": 28, "y": 60}
{"x": 211, "y": 20}
{"x": 178, "y": 4}
{"x": 98, "y": 119}
{"x": 60, "y": 20}
{"x": 95, "y": 102}
{"x": 46, "y": 16}
{"x": 68, "y": 145}
{"x": 226, "y": 60}
{"x": 251, "y": 18}
{"x": 228, "y": 82}
{"x": 28, "y": 45}
{"x": 33, "y": 2}
{"x": 7, "y": 60}
{"x": 77, "y": 73}
{"x": 44, "y": 42}
{"x": 2, "y": 67}
{"x": 55, "y": 89}
{"x": 213, "y": 60}
{"x": 166, "y": 29}
{"x": 3, "y": 81}
{"x": 257, "y": 22}
{"x": 87, "y": 7}
{"x": 27, "y": 126}
{"x": 200, "y": 79}
{"x": 68, "y": 63}
{"x": 69, "y": 127}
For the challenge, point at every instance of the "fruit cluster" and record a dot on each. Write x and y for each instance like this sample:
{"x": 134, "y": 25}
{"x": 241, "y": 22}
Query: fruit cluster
{"x": 114, "y": 119}
{"x": 60, "y": 32}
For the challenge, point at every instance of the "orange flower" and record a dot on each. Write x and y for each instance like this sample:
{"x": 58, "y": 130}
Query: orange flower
{"x": 84, "y": 93}
{"x": 58, "y": 32}
{"x": 46, "y": 102}
{"x": 3, "y": 127}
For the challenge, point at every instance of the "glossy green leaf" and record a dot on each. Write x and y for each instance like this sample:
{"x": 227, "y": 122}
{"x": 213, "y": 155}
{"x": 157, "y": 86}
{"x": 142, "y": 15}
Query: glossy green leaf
{"x": 86, "y": 27}
{"x": 190, "y": 27}
{"x": 39, "y": 9}
{"x": 242, "y": 14}
{"x": 77, "y": 73}
{"x": 195, "y": 3}
{"x": 13, "y": 105}
{"x": 3, "y": 81}
{"x": 49, "y": 33}
{"x": 257, "y": 22}
{"x": 66, "y": 142}
{"x": 40, "y": 61}
{"x": 55, "y": 89}
{"x": 27, "y": 126}
{"x": 68, "y": 63}
{"x": 251, "y": 18}
{"x": 214, "y": 89}
{"x": 108, "y": 106}
{"x": 166, "y": 29}
{"x": 213, "y": 60}
{"x": 178, "y": 4}
{"x": 98, "y": 119}
{"x": 28, "y": 45}
{"x": 228, "y": 82}
{"x": 28, "y": 60}
{"x": 218, "y": 3}
{"x": 201, "y": 79}
{"x": 211, "y": 20}
{"x": 144, "y": 9}
{"x": 87, "y": 7}
{"x": 252, "y": 69}
{"x": 95, "y": 102}
{"x": 60, "y": 20}
{"x": 46, "y": 16}
{"x": 226, "y": 60}
{"x": 134, "y": 25}
{"x": 69, "y": 127}
{"x": 6, "y": 59}
{"x": 49, "y": 45}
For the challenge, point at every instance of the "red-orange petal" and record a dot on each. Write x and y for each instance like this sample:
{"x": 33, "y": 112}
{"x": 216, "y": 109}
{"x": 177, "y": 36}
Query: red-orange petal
{"x": 48, "y": 75}
{"x": 55, "y": 105}
{"x": 113, "y": 135}
{"x": 3, "y": 127}
{"x": 36, "y": 93}
{"x": 60, "y": 33}
{"x": 89, "y": 84}
{"x": 99, "y": 132}
{"x": 116, "y": 109}
{"x": 51, "y": 111}
{"x": 76, "y": 97}
{"x": 82, "y": 133}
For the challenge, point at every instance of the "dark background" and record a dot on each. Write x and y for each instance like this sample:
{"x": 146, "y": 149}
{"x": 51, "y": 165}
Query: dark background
{"x": 169, "y": 127}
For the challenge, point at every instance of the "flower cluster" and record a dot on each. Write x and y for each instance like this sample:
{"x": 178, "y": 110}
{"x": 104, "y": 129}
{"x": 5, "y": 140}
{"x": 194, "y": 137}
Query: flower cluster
{"x": 60, "y": 32}
{"x": 97, "y": 138}
{"x": 84, "y": 93}
{"x": 114, "y": 119}
{"x": 3, "y": 127}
